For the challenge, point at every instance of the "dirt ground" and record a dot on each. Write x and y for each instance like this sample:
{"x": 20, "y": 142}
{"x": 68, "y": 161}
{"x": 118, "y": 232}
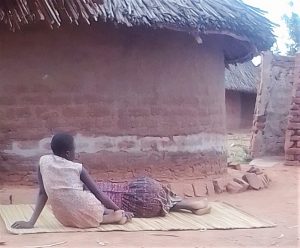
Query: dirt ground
{"x": 278, "y": 203}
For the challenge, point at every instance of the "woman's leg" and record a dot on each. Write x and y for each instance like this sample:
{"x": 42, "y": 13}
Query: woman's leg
{"x": 108, "y": 211}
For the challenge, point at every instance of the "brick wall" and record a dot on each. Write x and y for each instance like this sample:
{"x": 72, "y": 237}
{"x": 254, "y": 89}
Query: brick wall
{"x": 292, "y": 142}
{"x": 133, "y": 100}
{"x": 272, "y": 105}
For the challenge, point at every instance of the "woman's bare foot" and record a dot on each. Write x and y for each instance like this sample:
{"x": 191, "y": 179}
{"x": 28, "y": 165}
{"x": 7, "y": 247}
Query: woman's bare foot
{"x": 126, "y": 217}
{"x": 123, "y": 221}
{"x": 113, "y": 217}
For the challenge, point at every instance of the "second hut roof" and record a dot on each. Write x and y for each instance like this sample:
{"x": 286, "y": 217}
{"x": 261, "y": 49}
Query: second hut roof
{"x": 242, "y": 77}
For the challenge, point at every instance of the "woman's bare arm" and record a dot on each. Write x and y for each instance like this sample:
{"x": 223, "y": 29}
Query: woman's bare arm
{"x": 91, "y": 185}
{"x": 39, "y": 206}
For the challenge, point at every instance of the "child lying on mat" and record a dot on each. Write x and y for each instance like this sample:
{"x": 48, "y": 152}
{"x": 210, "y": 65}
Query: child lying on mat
{"x": 146, "y": 197}
{"x": 62, "y": 182}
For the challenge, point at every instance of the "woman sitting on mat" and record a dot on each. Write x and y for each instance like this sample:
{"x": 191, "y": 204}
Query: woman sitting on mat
{"x": 63, "y": 183}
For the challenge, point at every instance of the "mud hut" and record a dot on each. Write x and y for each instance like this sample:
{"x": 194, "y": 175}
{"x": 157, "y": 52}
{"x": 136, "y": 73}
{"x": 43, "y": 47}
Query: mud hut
{"x": 125, "y": 82}
{"x": 241, "y": 82}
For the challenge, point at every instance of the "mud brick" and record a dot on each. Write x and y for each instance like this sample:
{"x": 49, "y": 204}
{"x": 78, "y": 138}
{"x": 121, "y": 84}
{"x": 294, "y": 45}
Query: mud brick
{"x": 297, "y": 158}
{"x": 210, "y": 188}
{"x": 265, "y": 180}
{"x": 267, "y": 177}
{"x": 293, "y": 126}
{"x": 295, "y": 106}
{"x": 182, "y": 189}
{"x": 292, "y": 163}
{"x": 200, "y": 189}
{"x": 297, "y": 143}
{"x": 294, "y": 118}
{"x": 234, "y": 187}
{"x": 291, "y": 132}
{"x": 255, "y": 170}
{"x": 242, "y": 182}
{"x": 289, "y": 144}
{"x": 290, "y": 157}
{"x": 235, "y": 166}
{"x": 295, "y": 138}
{"x": 296, "y": 100}
{"x": 293, "y": 151}
{"x": 219, "y": 185}
{"x": 254, "y": 181}
{"x": 297, "y": 94}
{"x": 177, "y": 189}
{"x": 188, "y": 190}
{"x": 295, "y": 112}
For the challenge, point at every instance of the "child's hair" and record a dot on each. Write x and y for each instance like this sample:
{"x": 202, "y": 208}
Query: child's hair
{"x": 61, "y": 143}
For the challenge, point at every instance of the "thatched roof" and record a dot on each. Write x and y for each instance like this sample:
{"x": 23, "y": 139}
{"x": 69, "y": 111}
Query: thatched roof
{"x": 232, "y": 18}
{"x": 242, "y": 77}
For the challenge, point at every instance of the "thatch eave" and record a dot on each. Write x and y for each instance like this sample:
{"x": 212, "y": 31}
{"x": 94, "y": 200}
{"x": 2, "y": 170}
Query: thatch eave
{"x": 245, "y": 24}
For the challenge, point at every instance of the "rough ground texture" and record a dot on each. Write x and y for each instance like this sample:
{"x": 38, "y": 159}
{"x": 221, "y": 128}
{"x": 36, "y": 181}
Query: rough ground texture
{"x": 278, "y": 203}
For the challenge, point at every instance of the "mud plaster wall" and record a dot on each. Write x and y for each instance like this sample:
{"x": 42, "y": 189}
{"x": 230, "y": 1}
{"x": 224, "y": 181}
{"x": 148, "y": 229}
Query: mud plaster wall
{"x": 132, "y": 99}
{"x": 272, "y": 105}
{"x": 239, "y": 109}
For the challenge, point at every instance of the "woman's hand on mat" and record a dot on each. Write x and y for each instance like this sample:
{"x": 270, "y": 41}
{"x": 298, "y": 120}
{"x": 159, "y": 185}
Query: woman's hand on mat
{"x": 22, "y": 225}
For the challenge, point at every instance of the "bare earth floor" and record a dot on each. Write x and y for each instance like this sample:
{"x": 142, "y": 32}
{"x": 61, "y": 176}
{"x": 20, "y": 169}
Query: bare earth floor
{"x": 279, "y": 203}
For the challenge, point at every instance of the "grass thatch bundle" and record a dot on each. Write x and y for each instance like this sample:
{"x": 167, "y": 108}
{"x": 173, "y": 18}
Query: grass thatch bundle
{"x": 16, "y": 13}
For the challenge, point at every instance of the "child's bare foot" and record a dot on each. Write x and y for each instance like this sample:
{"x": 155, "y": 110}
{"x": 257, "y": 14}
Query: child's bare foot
{"x": 200, "y": 204}
{"x": 197, "y": 204}
{"x": 202, "y": 211}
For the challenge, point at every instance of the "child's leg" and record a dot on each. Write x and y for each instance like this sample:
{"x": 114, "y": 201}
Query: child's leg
{"x": 198, "y": 207}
